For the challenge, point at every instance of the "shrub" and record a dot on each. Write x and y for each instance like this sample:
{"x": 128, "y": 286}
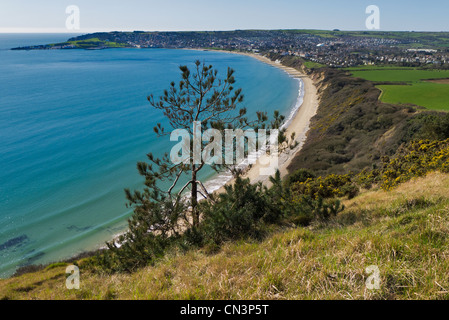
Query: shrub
{"x": 310, "y": 209}
{"x": 414, "y": 159}
{"x": 326, "y": 187}
{"x": 236, "y": 213}
{"x": 325, "y": 211}
{"x": 141, "y": 250}
{"x": 367, "y": 178}
{"x": 300, "y": 175}
{"x": 152, "y": 229}
{"x": 436, "y": 126}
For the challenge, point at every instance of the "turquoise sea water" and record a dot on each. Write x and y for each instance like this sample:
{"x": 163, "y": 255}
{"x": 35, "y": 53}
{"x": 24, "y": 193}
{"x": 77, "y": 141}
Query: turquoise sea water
{"x": 73, "y": 124}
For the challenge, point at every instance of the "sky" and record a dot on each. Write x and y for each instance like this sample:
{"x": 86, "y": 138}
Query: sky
{"x": 41, "y": 16}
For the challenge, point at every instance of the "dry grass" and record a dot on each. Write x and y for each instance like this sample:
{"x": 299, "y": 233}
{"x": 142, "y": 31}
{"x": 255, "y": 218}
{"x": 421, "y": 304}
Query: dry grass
{"x": 404, "y": 232}
{"x": 443, "y": 81}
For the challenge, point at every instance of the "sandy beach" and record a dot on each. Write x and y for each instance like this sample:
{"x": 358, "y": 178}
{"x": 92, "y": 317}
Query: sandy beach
{"x": 298, "y": 124}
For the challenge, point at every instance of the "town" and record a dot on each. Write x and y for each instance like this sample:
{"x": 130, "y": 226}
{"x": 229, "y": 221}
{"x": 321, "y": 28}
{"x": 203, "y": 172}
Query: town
{"x": 331, "y": 48}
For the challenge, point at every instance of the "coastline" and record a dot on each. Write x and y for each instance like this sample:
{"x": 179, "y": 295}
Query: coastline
{"x": 304, "y": 110}
{"x": 298, "y": 124}
{"x": 301, "y": 114}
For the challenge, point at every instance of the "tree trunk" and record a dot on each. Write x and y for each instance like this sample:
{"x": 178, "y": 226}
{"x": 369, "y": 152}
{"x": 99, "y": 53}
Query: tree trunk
{"x": 195, "y": 213}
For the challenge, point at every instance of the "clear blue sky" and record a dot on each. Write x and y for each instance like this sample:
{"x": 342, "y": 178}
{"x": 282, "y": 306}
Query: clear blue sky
{"x": 108, "y": 15}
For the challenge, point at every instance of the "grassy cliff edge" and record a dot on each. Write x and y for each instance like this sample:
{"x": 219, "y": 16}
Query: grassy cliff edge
{"x": 403, "y": 232}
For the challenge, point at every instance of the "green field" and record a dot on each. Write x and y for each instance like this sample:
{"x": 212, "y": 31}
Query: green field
{"x": 312, "y": 65}
{"x": 410, "y": 87}
{"x": 430, "y": 95}
{"x": 400, "y": 75}
{"x": 376, "y": 67}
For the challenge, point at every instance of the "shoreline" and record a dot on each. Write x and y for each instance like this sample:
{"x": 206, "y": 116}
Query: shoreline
{"x": 300, "y": 115}
{"x": 299, "y": 122}
{"x": 304, "y": 110}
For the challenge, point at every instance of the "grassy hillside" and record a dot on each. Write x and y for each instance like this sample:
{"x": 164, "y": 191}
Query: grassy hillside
{"x": 352, "y": 129}
{"x": 404, "y": 232}
{"x": 90, "y": 43}
{"x": 311, "y": 236}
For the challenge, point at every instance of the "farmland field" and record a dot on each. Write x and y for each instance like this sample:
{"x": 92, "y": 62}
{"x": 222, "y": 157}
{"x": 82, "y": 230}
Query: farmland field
{"x": 409, "y": 85}
{"x": 400, "y": 75}
{"x": 430, "y": 95}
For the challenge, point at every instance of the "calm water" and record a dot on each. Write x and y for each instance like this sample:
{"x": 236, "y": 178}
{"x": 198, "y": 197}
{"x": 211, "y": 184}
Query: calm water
{"x": 73, "y": 124}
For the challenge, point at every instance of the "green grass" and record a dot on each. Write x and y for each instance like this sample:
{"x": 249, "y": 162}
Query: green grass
{"x": 404, "y": 232}
{"x": 92, "y": 43}
{"x": 376, "y": 67}
{"x": 400, "y": 75}
{"x": 95, "y": 42}
{"x": 434, "y": 96}
{"x": 313, "y": 65}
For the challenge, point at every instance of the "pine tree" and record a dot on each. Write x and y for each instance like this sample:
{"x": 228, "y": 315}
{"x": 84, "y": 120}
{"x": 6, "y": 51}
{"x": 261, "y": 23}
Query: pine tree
{"x": 199, "y": 97}
{"x": 161, "y": 215}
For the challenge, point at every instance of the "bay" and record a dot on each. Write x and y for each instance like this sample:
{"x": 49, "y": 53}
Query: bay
{"x": 73, "y": 125}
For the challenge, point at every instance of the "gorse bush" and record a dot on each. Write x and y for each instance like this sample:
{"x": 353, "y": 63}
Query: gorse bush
{"x": 300, "y": 175}
{"x": 415, "y": 159}
{"x": 326, "y": 187}
{"x": 367, "y": 178}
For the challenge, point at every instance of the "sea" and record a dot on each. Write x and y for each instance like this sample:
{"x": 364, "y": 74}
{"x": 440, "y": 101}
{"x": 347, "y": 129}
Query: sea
{"x": 73, "y": 125}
